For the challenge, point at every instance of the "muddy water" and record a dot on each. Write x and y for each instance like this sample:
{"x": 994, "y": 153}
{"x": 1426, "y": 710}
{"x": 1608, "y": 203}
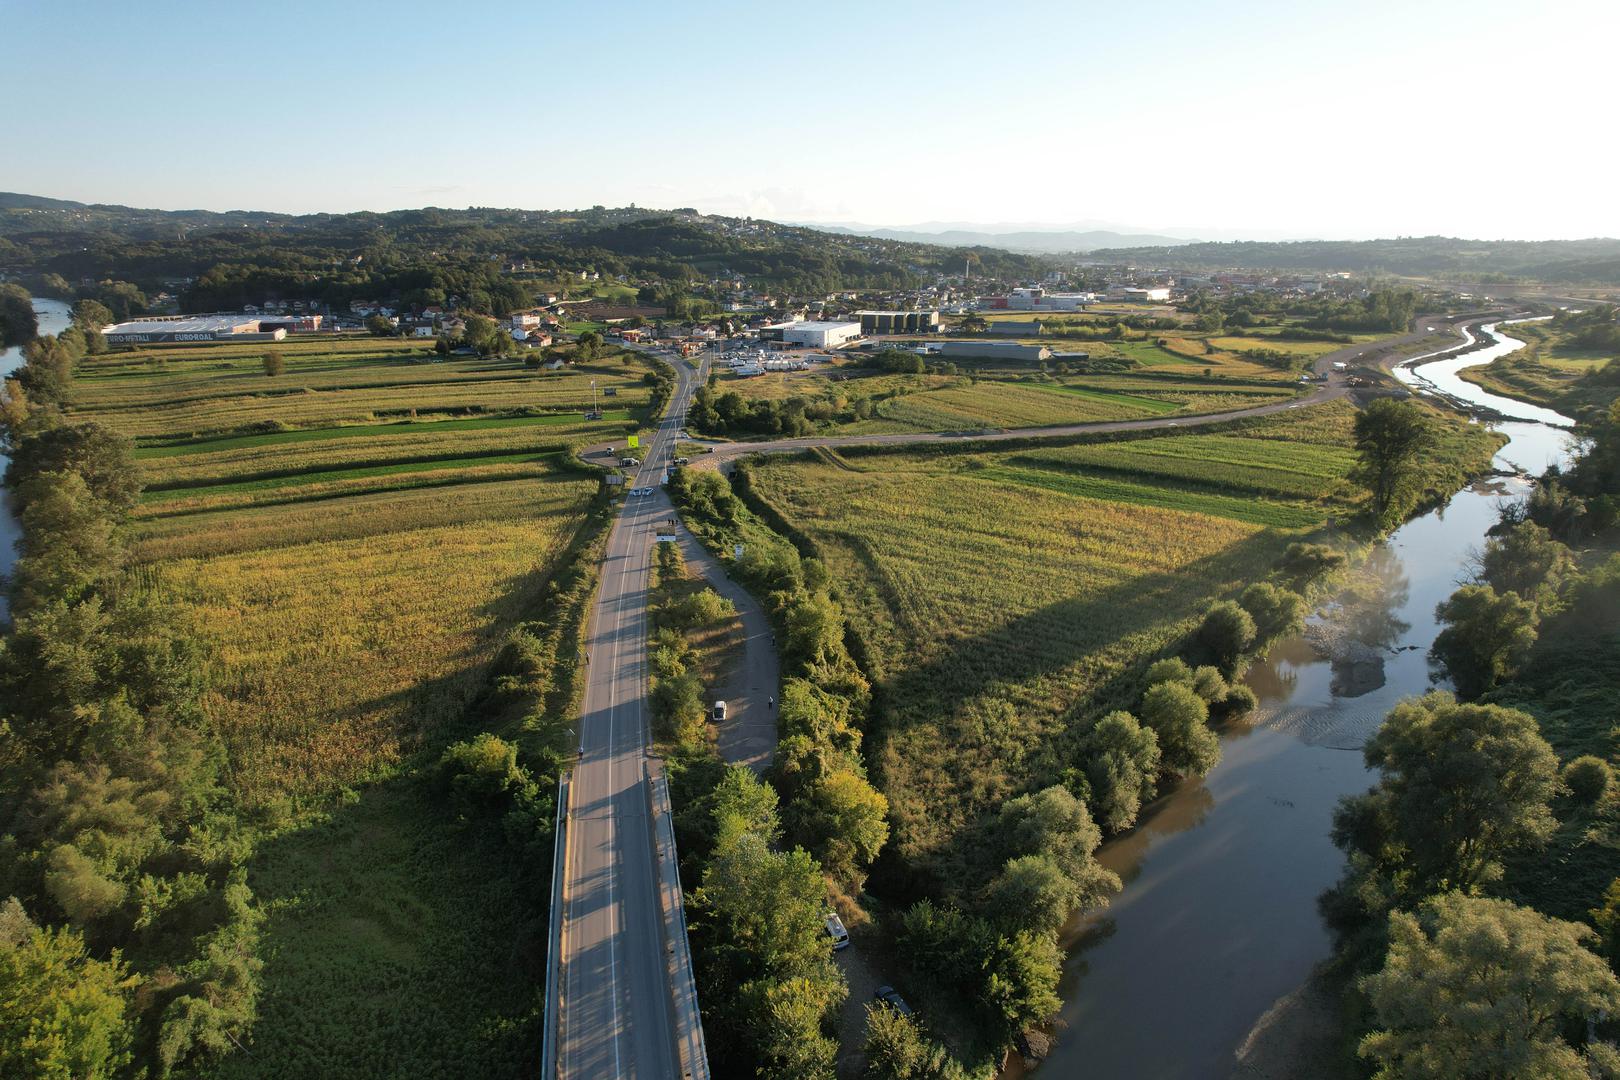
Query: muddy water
{"x": 53, "y": 319}
{"x": 1218, "y": 916}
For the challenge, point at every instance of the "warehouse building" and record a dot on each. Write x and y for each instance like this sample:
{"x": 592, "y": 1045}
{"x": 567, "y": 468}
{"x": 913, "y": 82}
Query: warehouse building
{"x": 1016, "y": 327}
{"x": 899, "y": 322}
{"x": 993, "y": 350}
{"x": 812, "y": 335}
{"x": 196, "y": 328}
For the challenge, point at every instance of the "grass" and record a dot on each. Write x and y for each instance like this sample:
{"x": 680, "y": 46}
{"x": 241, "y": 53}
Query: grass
{"x": 348, "y": 582}
{"x": 1002, "y": 597}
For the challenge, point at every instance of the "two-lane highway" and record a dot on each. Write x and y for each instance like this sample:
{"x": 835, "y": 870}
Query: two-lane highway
{"x": 626, "y": 1008}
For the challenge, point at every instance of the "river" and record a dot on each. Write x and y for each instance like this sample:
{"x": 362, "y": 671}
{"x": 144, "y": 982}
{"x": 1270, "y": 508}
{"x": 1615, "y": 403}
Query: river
{"x": 53, "y": 319}
{"x": 1218, "y": 917}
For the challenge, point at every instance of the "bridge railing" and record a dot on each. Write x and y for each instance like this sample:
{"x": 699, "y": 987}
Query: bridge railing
{"x": 552, "y": 1037}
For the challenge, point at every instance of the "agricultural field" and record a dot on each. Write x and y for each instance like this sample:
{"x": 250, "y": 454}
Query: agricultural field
{"x": 1134, "y": 379}
{"x": 180, "y": 393}
{"x": 1550, "y": 371}
{"x": 348, "y": 543}
{"x": 991, "y": 635}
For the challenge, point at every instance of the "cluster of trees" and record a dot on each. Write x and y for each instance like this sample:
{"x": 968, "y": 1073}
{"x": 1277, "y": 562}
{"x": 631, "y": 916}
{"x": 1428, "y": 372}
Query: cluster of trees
{"x": 774, "y": 1002}
{"x": 730, "y": 412}
{"x": 18, "y": 323}
{"x": 1597, "y": 327}
{"x": 119, "y": 839}
{"x": 677, "y": 692}
{"x": 1319, "y": 318}
{"x": 1460, "y": 984}
{"x": 1458, "y": 979}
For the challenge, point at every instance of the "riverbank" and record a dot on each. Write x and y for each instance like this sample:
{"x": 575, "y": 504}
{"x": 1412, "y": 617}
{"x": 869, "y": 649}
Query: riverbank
{"x": 1302, "y": 1033}
{"x": 54, "y": 317}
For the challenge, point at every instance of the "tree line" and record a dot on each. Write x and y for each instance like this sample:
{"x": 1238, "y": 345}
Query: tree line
{"x": 1476, "y": 864}
{"x": 128, "y": 935}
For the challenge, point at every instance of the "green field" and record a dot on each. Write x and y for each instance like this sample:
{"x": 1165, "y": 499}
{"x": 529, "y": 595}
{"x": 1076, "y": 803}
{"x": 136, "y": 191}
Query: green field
{"x": 349, "y": 560}
{"x": 1002, "y": 596}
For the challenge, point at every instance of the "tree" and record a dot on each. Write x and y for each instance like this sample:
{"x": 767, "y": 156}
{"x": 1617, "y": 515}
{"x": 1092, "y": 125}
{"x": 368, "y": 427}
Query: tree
{"x": 102, "y": 456}
{"x": 1031, "y": 893}
{"x": 480, "y": 333}
{"x": 842, "y": 819}
{"x": 590, "y": 343}
{"x": 1588, "y": 778}
{"x": 274, "y": 364}
{"x": 18, "y": 323}
{"x": 1306, "y": 562}
{"x": 1527, "y": 561}
{"x": 91, "y": 315}
{"x": 1481, "y": 988}
{"x": 1487, "y": 637}
{"x": 1226, "y": 634}
{"x": 381, "y": 326}
{"x": 1462, "y": 786}
{"x": 1052, "y": 822}
{"x": 1121, "y": 768}
{"x": 1020, "y": 982}
{"x": 62, "y": 1012}
{"x": 897, "y": 1049}
{"x": 1276, "y": 612}
{"x": 1391, "y": 437}
{"x": 1179, "y": 719}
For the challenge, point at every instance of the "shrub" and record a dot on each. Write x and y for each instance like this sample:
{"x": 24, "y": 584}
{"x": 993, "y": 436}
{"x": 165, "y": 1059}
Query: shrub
{"x": 1226, "y": 633}
{"x": 1178, "y": 716}
{"x": 1306, "y": 562}
{"x": 1276, "y": 612}
{"x": 1174, "y": 669}
{"x": 1588, "y": 778}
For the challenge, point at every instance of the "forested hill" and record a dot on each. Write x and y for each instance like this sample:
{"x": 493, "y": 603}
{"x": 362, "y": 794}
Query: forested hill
{"x": 1594, "y": 261}
{"x": 77, "y": 240}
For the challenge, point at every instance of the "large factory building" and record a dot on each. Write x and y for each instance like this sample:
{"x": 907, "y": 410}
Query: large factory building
{"x": 165, "y": 329}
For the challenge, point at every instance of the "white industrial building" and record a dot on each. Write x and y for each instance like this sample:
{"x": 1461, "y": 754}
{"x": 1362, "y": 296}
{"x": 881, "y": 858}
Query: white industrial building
{"x": 1035, "y": 298}
{"x": 813, "y": 335}
{"x": 162, "y": 329}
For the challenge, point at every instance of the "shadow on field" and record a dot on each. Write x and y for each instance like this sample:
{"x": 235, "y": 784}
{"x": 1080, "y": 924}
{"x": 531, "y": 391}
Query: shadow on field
{"x": 394, "y": 945}
{"x": 987, "y": 716}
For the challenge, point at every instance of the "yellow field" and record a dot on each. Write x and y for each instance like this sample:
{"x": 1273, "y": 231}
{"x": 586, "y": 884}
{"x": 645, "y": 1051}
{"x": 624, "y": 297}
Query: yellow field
{"x": 329, "y": 660}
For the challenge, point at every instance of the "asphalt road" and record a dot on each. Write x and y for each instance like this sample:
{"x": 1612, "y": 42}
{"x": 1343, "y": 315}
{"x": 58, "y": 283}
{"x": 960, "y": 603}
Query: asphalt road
{"x": 621, "y": 1009}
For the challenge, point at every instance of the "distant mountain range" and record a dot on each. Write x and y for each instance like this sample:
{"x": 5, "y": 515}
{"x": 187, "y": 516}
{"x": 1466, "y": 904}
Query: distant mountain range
{"x": 1035, "y": 239}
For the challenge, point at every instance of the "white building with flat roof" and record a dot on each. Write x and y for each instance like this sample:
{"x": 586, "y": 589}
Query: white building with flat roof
{"x": 821, "y": 335}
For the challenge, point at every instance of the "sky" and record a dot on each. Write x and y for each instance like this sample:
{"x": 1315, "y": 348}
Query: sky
{"x": 1490, "y": 119}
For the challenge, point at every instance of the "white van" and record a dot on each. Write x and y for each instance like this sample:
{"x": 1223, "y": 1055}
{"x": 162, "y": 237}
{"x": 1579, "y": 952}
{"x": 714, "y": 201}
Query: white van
{"x": 836, "y": 931}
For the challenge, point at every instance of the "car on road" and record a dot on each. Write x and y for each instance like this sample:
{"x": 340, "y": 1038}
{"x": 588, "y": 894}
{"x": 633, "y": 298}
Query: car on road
{"x": 641, "y": 491}
{"x": 889, "y": 998}
{"x": 836, "y": 931}
{"x": 683, "y": 461}
{"x": 719, "y": 710}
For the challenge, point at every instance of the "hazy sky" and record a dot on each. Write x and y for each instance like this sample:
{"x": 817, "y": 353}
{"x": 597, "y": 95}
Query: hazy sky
{"x": 1486, "y": 118}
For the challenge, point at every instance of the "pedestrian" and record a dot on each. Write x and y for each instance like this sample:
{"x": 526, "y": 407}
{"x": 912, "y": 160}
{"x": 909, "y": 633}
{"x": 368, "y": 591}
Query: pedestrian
{"x": 772, "y": 701}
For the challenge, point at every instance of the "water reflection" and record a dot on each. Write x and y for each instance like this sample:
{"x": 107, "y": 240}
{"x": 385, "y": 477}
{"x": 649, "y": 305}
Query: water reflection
{"x": 53, "y": 319}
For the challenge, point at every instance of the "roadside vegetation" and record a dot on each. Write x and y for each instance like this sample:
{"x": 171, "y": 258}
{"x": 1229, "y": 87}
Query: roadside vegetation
{"x": 292, "y": 670}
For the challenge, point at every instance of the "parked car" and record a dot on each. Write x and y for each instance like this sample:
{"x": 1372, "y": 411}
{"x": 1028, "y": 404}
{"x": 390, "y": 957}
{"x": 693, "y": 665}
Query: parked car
{"x": 719, "y": 710}
{"x": 836, "y": 931}
{"x": 889, "y": 998}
